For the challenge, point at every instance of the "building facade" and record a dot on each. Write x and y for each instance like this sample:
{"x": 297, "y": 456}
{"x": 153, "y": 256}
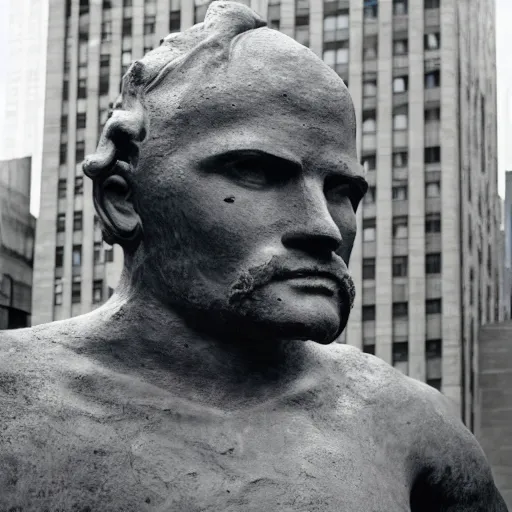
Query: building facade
{"x": 507, "y": 223}
{"x": 422, "y": 76}
{"x": 493, "y": 427}
{"x": 17, "y": 233}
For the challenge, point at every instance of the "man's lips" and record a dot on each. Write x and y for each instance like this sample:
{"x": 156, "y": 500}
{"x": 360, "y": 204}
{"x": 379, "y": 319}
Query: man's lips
{"x": 311, "y": 273}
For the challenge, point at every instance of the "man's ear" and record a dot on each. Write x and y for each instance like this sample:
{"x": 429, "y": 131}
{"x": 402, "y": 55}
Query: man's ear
{"x": 113, "y": 200}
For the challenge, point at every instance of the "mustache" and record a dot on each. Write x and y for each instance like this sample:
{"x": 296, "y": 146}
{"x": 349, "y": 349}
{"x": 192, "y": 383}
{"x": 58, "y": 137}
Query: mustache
{"x": 276, "y": 269}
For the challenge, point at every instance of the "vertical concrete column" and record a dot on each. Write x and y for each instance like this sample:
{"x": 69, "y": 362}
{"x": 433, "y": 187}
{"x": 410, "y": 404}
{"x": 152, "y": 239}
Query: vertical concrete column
{"x": 287, "y": 25}
{"x": 316, "y": 27}
{"x": 93, "y": 80}
{"x": 416, "y": 190}
{"x": 46, "y": 232}
{"x": 163, "y": 8}
{"x": 138, "y": 29}
{"x": 355, "y": 81}
{"x": 450, "y": 200}
{"x": 187, "y": 14}
{"x": 384, "y": 245}
{"x": 261, "y": 7}
{"x": 67, "y": 275}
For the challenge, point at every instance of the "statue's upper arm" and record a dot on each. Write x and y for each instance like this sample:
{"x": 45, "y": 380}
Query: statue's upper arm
{"x": 455, "y": 474}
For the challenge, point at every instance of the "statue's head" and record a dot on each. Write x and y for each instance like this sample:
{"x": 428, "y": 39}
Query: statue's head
{"x": 228, "y": 173}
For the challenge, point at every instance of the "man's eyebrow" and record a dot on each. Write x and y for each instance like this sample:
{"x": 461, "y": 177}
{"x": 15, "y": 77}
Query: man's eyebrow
{"x": 246, "y": 154}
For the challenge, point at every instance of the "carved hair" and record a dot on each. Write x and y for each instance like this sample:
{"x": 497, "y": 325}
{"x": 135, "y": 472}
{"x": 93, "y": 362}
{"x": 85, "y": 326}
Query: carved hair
{"x": 127, "y": 124}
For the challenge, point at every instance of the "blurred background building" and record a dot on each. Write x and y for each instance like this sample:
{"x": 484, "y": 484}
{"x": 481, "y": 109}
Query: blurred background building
{"x": 17, "y": 232}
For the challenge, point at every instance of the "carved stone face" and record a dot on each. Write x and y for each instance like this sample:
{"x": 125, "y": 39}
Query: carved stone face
{"x": 249, "y": 173}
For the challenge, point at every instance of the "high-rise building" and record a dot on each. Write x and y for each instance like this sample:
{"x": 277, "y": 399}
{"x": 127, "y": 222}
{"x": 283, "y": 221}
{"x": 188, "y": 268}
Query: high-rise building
{"x": 507, "y": 222}
{"x": 422, "y": 76}
{"x": 17, "y": 232}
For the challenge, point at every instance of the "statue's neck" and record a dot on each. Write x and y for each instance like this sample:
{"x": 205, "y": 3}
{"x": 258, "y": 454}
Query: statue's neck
{"x": 148, "y": 338}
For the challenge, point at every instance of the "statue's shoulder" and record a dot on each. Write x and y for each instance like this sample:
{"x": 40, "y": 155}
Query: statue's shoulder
{"x": 375, "y": 383}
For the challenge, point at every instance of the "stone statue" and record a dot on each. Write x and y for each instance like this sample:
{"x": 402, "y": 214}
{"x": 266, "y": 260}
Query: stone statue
{"x": 210, "y": 381}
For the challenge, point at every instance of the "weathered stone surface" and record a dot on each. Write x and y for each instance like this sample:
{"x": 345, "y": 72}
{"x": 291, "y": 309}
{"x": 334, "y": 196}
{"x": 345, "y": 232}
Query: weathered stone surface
{"x": 209, "y": 381}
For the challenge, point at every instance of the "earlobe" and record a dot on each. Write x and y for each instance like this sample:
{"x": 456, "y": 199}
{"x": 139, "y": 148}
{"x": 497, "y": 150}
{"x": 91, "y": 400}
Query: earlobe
{"x": 113, "y": 199}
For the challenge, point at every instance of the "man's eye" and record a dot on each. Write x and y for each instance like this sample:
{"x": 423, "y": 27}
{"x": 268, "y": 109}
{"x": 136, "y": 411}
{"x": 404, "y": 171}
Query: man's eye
{"x": 250, "y": 173}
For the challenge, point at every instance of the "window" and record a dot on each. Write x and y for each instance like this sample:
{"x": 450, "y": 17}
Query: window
{"x": 432, "y": 41}
{"x": 400, "y": 120}
{"x": 97, "y": 291}
{"x": 302, "y": 34}
{"x": 369, "y": 121}
{"x": 61, "y": 222}
{"x": 106, "y": 30}
{"x": 399, "y": 193}
{"x": 400, "y": 84}
{"x": 63, "y": 124}
{"x": 58, "y": 292}
{"x": 80, "y": 150}
{"x": 434, "y": 349}
{"x": 371, "y": 10}
{"x": 76, "y": 291}
{"x": 81, "y": 120}
{"x": 127, "y": 3}
{"x": 107, "y": 4}
{"x": 127, "y": 27}
{"x": 435, "y": 383}
{"x": 399, "y": 7}
{"x": 433, "y": 223}
{"x": 433, "y": 189}
{"x": 77, "y": 255}
{"x": 82, "y": 88}
{"x": 147, "y": 49}
{"x": 433, "y": 263}
{"x": 62, "y": 188}
{"x": 368, "y": 313}
{"x": 368, "y": 268}
{"x": 370, "y": 46}
{"x": 126, "y": 58}
{"x": 369, "y": 163}
{"x": 432, "y": 114}
{"x": 400, "y": 351}
{"x": 369, "y": 88}
{"x": 433, "y": 306}
{"x": 97, "y": 252}
{"x": 400, "y": 47}
{"x": 336, "y": 27}
{"x": 432, "y": 155}
{"x": 109, "y": 255}
{"x": 77, "y": 221}
{"x": 84, "y": 6}
{"x": 79, "y": 185}
{"x": 369, "y": 197}
{"x": 400, "y": 266}
{"x": 400, "y": 227}
{"x": 104, "y": 73}
{"x": 65, "y": 90}
{"x": 400, "y": 309}
{"x": 174, "y": 21}
{"x": 59, "y": 256}
{"x": 431, "y": 4}
{"x": 432, "y": 79}
{"x": 369, "y": 231}
{"x": 337, "y": 56}
{"x": 63, "y": 154}
{"x": 369, "y": 349}
{"x": 400, "y": 159}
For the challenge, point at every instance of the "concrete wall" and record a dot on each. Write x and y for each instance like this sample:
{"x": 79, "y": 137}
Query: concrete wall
{"x": 494, "y": 426}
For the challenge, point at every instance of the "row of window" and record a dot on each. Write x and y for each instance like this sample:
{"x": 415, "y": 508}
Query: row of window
{"x": 400, "y": 227}
{"x": 401, "y": 309}
{"x": 78, "y": 190}
{"x": 400, "y": 7}
{"x": 76, "y": 291}
{"x": 76, "y": 255}
{"x": 400, "y": 266}
{"x": 400, "y": 159}
{"x": 400, "y": 192}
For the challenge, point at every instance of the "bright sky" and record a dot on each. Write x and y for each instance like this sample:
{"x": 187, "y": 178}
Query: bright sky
{"x": 504, "y": 66}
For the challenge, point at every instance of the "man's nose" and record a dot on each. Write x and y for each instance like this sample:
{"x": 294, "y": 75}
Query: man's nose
{"x": 313, "y": 230}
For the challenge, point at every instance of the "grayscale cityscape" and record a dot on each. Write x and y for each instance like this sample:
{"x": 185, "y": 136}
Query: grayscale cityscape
{"x": 431, "y": 264}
